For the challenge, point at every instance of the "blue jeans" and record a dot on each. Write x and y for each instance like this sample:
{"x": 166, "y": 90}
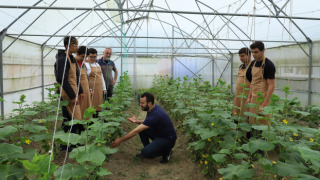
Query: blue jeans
{"x": 158, "y": 147}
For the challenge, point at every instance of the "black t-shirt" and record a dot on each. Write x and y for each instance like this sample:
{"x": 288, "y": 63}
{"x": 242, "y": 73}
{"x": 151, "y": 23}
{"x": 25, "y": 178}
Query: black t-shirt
{"x": 159, "y": 121}
{"x": 269, "y": 69}
{"x": 243, "y": 66}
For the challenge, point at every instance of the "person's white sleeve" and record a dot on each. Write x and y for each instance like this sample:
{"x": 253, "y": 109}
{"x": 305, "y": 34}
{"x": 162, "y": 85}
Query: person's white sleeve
{"x": 103, "y": 83}
{"x": 88, "y": 68}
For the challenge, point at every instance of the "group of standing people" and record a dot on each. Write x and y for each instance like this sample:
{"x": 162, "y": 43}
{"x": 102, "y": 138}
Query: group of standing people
{"x": 85, "y": 81}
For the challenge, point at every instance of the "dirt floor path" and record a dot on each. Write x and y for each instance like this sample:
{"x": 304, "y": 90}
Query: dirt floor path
{"x": 124, "y": 165}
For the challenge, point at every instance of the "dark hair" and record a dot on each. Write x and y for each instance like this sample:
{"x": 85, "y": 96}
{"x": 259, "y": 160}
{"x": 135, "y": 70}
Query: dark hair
{"x": 92, "y": 51}
{"x": 149, "y": 97}
{"x": 245, "y": 50}
{"x": 257, "y": 44}
{"x": 66, "y": 39}
{"x": 83, "y": 50}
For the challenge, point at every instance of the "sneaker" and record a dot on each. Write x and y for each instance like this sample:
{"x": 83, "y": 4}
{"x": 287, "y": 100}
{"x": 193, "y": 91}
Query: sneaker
{"x": 139, "y": 155}
{"x": 167, "y": 157}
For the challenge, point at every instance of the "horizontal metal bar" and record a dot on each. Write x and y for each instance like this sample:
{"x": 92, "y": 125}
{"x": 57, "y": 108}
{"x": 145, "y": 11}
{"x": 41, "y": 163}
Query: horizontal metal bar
{"x": 155, "y": 11}
{"x": 146, "y": 37}
{"x": 164, "y": 53}
{"x": 11, "y": 92}
{"x": 116, "y": 47}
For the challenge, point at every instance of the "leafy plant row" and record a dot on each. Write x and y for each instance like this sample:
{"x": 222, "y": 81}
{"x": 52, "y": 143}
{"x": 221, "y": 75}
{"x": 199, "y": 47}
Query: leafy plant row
{"x": 219, "y": 140}
{"x": 35, "y": 124}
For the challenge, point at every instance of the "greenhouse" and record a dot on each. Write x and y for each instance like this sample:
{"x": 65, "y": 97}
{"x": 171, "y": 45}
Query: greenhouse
{"x": 189, "y": 55}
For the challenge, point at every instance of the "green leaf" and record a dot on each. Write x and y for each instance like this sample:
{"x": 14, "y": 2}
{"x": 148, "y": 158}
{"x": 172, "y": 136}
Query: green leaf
{"x": 44, "y": 165}
{"x": 260, "y": 144}
{"x": 219, "y": 157}
{"x": 16, "y": 170}
{"x": 53, "y": 118}
{"x": 285, "y": 169}
{"x": 70, "y": 172}
{"x": 245, "y": 126}
{"x": 240, "y": 171}
{"x": 39, "y": 137}
{"x": 292, "y": 156}
{"x": 240, "y": 156}
{"x": 103, "y": 172}
{"x": 223, "y": 114}
{"x": 34, "y": 128}
{"x": 305, "y": 177}
{"x": 207, "y": 133}
{"x": 260, "y": 127}
{"x": 30, "y": 113}
{"x": 9, "y": 149}
{"x": 197, "y": 145}
{"x": 7, "y": 131}
{"x": 93, "y": 156}
{"x": 286, "y": 128}
{"x": 302, "y": 113}
{"x": 250, "y": 114}
{"x": 105, "y": 150}
{"x": 74, "y": 138}
{"x": 28, "y": 155}
{"x": 307, "y": 153}
{"x": 3, "y": 174}
{"x": 224, "y": 151}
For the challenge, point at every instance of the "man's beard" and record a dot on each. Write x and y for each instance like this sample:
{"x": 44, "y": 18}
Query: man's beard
{"x": 145, "y": 108}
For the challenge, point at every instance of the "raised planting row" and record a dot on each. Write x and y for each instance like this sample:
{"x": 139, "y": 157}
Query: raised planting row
{"x": 218, "y": 137}
{"x": 34, "y": 126}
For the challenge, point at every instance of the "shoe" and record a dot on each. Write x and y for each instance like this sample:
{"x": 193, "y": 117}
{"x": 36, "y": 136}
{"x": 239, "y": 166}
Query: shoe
{"x": 139, "y": 155}
{"x": 167, "y": 157}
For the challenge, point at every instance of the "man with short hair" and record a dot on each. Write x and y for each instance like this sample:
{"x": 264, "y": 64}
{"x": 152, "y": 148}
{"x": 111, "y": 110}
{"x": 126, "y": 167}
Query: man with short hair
{"x": 67, "y": 75}
{"x": 107, "y": 66}
{"x": 261, "y": 74}
{"x": 157, "y": 126}
{"x": 245, "y": 58}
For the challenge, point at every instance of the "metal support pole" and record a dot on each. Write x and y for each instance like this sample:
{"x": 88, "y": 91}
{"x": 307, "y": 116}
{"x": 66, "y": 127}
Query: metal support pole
{"x": 42, "y": 72}
{"x": 231, "y": 61}
{"x": 212, "y": 72}
{"x": 172, "y": 58}
{"x": 2, "y": 35}
{"x": 120, "y": 6}
{"x": 310, "y": 69}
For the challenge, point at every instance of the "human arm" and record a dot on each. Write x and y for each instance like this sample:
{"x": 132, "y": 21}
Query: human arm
{"x": 134, "y": 120}
{"x": 269, "y": 93}
{"x": 132, "y": 133}
{"x": 103, "y": 82}
{"x": 115, "y": 75}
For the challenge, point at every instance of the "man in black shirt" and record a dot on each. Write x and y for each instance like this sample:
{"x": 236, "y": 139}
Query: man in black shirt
{"x": 67, "y": 75}
{"x": 261, "y": 74}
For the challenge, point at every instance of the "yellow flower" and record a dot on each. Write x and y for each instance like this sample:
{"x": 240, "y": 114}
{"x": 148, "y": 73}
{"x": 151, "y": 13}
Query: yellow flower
{"x": 191, "y": 101}
{"x": 47, "y": 132}
{"x": 295, "y": 134}
{"x": 275, "y": 176}
{"x": 49, "y": 144}
{"x": 209, "y": 139}
{"x": 235, "y": 113}
{"x": 203, "y": 156}
{"x": 285, "y": 121}
{"x": 99, "y": 144}
{"x": 291, "y": 139}
{"x": 252, "y": 165}
{"x": 274, "y": 162}
{"x": 248, "y": 160}
{"x": 206, "y": 162}
{"x": 221, "y": 178}
{"x": 227, "y": 128}
{"x": 239, "y": 139}
{"x": 231, "y": 106}
{"x": 121, "y": 112}
{"x": 60, "y": 109}
{"x": 284, "y": 178}
{"x": 8, "y": 162}
{"x": 175, "y": 98}
{"x": 219, "y": 141}
{"x": 218, "y": 166}
{"x": 262, "y": 137}
{"x": 201, "y": 162}
{"x": 311, "y": 140}
{"x": 41, "y": 121}
{"x": 109, "y": 135}
{"x": 212, "y": 124}
{"x": 28, "y": 141}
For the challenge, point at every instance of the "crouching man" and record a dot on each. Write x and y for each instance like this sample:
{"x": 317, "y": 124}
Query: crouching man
{"x": 157, "y": 126}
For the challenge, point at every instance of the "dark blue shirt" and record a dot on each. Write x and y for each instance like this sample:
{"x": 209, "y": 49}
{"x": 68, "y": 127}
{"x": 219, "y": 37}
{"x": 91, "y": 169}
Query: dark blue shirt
{"x": 159, "y": 121}
{"x": 107, "y": 68}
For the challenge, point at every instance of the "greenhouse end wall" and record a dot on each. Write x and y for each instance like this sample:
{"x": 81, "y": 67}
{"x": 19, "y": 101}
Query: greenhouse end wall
{"x": 292, "y": 69}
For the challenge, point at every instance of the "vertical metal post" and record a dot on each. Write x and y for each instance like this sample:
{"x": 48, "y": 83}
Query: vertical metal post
{"x": 42, "y": 72}
{"x": 212, "y": 72}
{"x": 2, "y": 35}
{"x": 231, "y": 61}
{"x": 172, "y": 58}
{"x": 310, "y": 69}
{"x": 120, "y": 7}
